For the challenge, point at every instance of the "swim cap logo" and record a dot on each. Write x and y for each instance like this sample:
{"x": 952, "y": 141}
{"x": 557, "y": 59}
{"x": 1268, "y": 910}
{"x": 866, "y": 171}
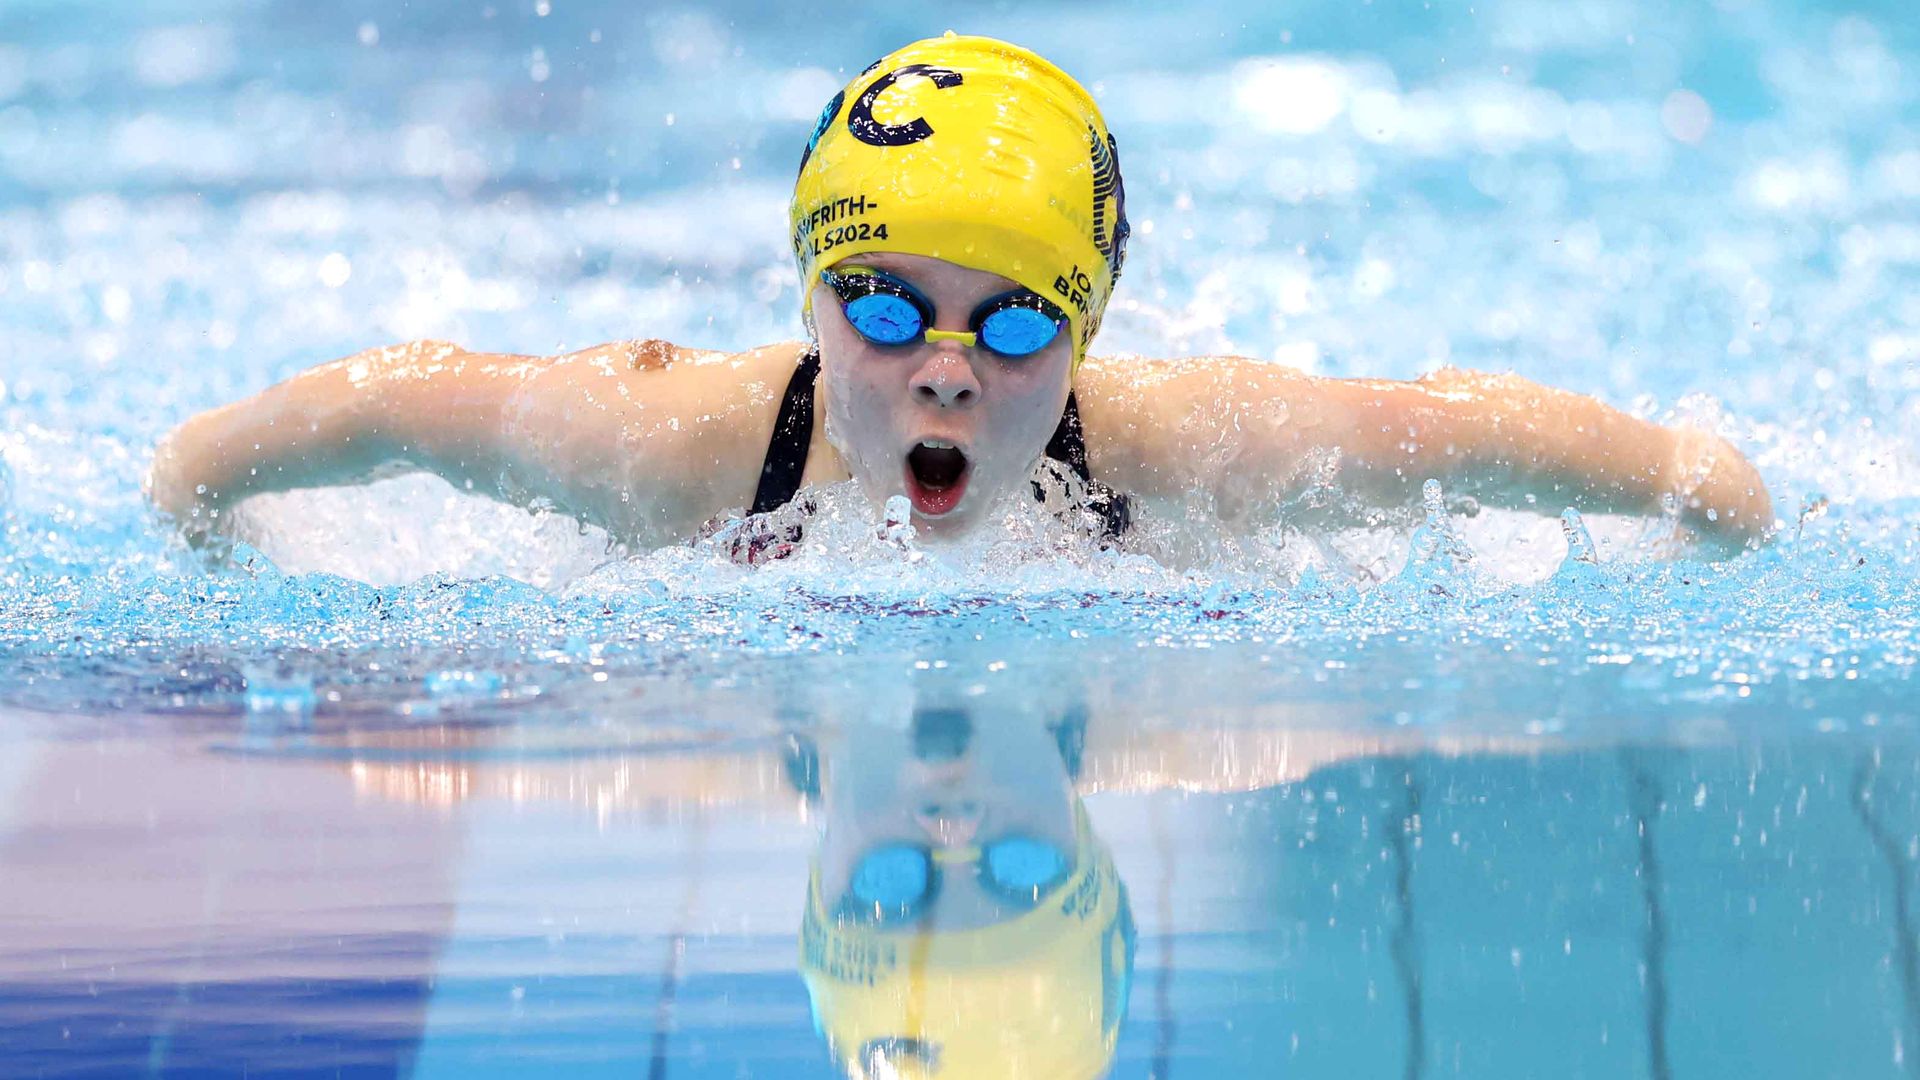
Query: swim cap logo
{"x": 1109, "y": 237}
{"x": 826, "y": 121}
{"x": 864, "y": 127}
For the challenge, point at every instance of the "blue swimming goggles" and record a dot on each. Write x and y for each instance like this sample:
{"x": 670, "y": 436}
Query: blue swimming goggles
{"x": 887, "y": 311}
{"x": 898, "y": 880}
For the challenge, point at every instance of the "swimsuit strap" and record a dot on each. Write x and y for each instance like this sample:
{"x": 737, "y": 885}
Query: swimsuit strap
{"x": 1069, "y": 447}
{"x": 786, "y": 460}
{"x": 1069, "y": 443}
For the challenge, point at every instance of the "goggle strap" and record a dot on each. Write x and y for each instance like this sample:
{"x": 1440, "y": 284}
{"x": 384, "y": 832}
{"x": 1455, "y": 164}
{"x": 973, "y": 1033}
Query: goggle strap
{"x": 968, "y": 854}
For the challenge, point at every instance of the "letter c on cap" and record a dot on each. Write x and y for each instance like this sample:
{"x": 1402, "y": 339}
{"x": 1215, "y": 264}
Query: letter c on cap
{"x": 864, "y": 127}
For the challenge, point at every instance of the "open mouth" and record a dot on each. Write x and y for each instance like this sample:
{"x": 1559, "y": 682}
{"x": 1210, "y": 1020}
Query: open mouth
{"x": 936, "y": 476}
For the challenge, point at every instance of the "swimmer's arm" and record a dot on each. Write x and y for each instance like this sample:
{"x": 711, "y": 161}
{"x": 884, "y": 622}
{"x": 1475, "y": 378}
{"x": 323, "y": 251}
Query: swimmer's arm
{"x": 329, "y": 425}
{"x": 596, "y": 434}
{"x": 1509, "y": 441}
{"x": 1263, "y": 438}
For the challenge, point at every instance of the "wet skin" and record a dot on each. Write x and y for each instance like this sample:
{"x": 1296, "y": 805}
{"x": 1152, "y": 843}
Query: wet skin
{"x": 648, "y": 439}
{"x": 883, "y": 401}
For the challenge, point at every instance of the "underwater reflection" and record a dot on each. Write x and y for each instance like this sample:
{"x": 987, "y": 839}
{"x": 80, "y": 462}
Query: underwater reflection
{"x": 959, "y": 911}
{"x": 940, "y": 875}
{"x": 962, "y": 918}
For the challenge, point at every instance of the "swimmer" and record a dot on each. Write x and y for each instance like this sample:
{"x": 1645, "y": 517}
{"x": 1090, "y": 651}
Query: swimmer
{"x": 959, "y": 221}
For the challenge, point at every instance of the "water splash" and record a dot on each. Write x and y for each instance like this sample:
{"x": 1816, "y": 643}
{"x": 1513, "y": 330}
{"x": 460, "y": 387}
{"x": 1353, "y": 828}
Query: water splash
{"x": 1813, "y": 509}
{"x": 896, "y": 526}
{"x": 1580, "y": 547}
{"x": 1437, "y": 552}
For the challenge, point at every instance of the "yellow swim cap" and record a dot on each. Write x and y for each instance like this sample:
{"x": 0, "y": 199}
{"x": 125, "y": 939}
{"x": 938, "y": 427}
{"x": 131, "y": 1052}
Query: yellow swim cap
{"x": 1039, "y": 996}
{"x": 974, "y": 151}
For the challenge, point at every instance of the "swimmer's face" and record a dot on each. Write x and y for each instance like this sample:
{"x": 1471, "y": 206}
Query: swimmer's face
{"x": 894, "y": 412}
{"x": 953, "y": 779}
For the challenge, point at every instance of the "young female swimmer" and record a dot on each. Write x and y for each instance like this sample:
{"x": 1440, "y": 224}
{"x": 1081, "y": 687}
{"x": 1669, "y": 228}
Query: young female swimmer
{"x": 959, "y": 222}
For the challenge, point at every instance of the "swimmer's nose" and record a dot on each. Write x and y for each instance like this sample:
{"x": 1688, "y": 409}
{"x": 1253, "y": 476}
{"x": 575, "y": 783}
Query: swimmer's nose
{"x": 949, "y": 822}
{"x": 946, "y": 379}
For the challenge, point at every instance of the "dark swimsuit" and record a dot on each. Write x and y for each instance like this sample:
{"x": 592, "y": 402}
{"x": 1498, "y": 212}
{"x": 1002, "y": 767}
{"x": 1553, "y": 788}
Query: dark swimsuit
{"x": 793, "y": 432}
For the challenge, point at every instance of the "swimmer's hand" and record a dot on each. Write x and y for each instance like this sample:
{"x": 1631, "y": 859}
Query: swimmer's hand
{"x": 324, "y": 426}
{"x": 1722, "y": 503}
{"x": 1521, "y": 443}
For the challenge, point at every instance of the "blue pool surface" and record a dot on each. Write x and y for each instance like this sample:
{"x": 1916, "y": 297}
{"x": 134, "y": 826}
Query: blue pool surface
{"x": 418, "y": 784}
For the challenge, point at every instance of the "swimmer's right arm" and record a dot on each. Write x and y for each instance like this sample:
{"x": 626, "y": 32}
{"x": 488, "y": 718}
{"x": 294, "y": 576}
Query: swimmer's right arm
{"x": 326, "y": 426}
{"x": 598, "y": 434}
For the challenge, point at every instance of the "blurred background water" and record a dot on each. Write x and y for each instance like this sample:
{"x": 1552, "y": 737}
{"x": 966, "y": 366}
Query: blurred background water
{"x": 1705, "y": 211}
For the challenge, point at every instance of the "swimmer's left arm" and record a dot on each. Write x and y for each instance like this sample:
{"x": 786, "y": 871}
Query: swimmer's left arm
{"x": 1509, "y": 441}
{"x": 1262, "y": 437}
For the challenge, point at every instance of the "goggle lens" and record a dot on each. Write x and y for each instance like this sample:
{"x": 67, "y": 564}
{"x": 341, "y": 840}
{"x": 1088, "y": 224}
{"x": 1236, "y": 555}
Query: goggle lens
{"x": 892, "y": 878}
{"x": 898, "y": 878}
{"x": 1021, "y": 866}
{"x": 1017, "y": 331}
{"x": 884, "y": 319}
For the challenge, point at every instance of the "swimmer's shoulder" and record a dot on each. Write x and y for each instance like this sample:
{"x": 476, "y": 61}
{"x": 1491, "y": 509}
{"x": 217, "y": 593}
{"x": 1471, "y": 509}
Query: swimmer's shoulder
{"x": 1175, "y": 383}
{"x": 642, "y": 357}
{"x": 660, "y": 371}
{"x": 687, "y": 426}
{"x": 1150, "y": 422}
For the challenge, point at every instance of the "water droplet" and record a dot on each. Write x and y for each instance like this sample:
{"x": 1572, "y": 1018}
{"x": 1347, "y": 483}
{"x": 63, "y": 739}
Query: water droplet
{"x": 898, "y": 529}
{"x": 1580, "y": 547}
{"x": 1436, "y": 551}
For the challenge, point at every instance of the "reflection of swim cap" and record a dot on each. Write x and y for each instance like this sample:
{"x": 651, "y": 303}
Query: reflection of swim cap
{"x": 974, "y": 151}
{"x": 1040, "y": 995}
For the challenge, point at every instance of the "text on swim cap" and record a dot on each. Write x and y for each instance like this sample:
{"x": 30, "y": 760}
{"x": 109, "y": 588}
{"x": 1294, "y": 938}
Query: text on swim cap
{"x": 1077, "y": 287}
{"x": 847, "y": 958}
{"x": 846, "y": 206}
{"x": 864, "y": 127}
{"x": 834, "y": 212}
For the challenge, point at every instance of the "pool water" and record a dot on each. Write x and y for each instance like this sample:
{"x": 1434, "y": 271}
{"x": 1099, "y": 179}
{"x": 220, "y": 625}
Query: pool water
{"x": 419, "y": 784}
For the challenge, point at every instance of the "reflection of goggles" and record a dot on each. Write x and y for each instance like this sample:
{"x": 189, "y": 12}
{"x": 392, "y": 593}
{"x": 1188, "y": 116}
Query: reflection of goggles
{"x": 1037, "y": 995}
{"x": 898, "y": 880}
{"x": 887, "y": 311}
